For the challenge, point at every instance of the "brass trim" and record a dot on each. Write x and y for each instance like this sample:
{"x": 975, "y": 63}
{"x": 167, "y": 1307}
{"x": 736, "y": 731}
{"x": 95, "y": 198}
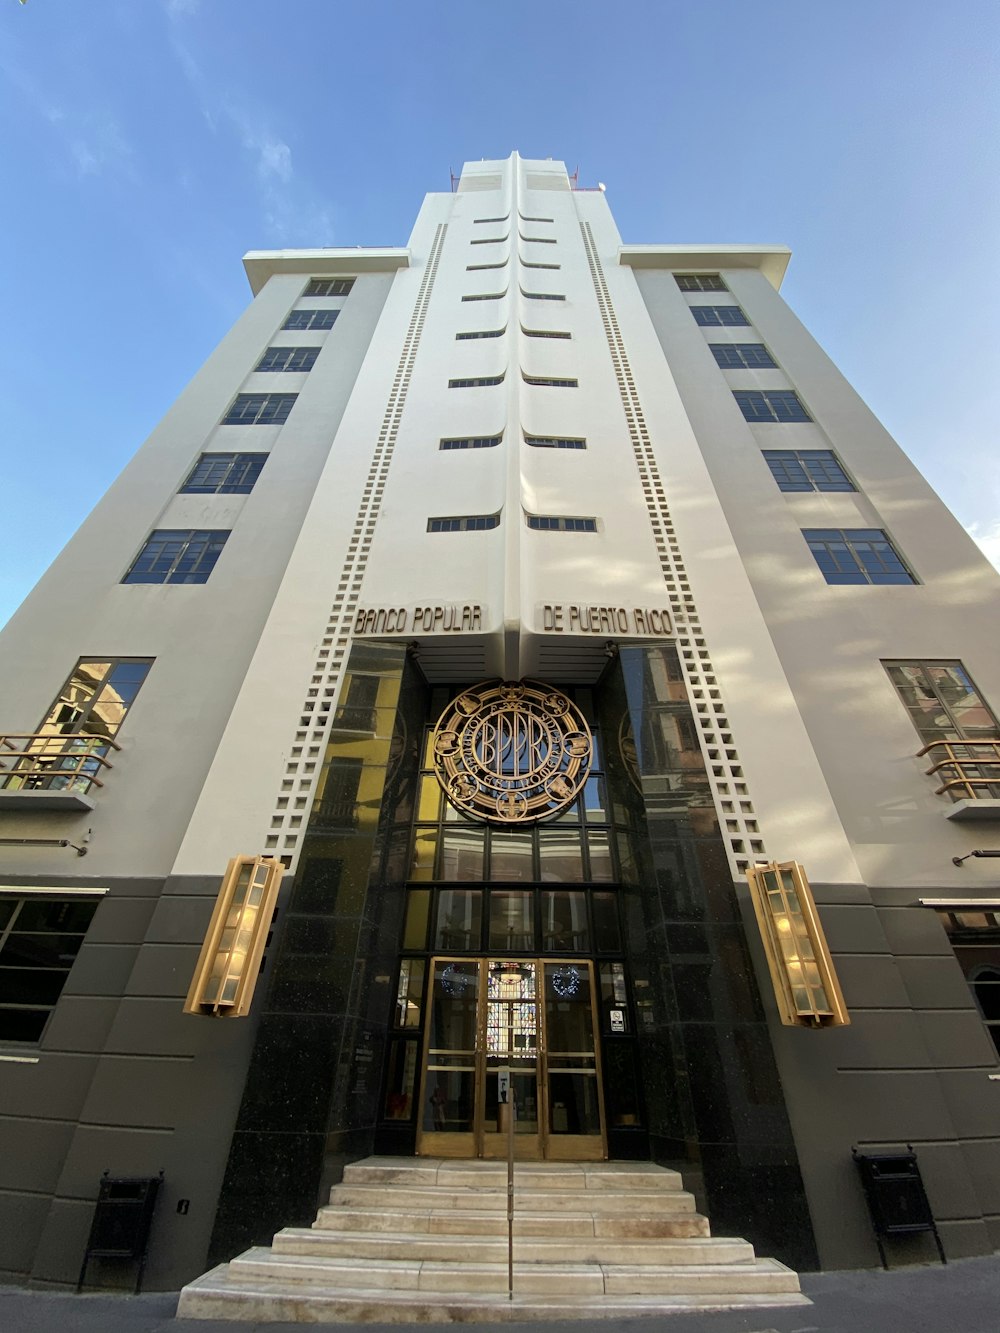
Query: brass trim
{"x": 803, "y": 975}
{"x": 229, "y": 962}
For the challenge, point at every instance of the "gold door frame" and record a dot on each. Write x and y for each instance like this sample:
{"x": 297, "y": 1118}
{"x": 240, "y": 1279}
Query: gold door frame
{"x": 481, "y": 1142}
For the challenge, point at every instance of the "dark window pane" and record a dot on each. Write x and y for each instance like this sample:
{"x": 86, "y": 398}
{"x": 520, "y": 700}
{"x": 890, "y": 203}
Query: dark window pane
{"x": 607, "y": 938}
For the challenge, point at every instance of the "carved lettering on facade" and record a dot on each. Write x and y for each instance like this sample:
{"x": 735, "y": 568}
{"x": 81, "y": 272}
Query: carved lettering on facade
{"x": 448, "y": 619}
{"x": 607, "y": 621}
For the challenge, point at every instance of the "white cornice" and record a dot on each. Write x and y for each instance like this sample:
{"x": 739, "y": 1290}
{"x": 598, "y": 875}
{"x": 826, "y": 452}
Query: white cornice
{"x": 772, "y": 260}
{"x": 328, "y": 263}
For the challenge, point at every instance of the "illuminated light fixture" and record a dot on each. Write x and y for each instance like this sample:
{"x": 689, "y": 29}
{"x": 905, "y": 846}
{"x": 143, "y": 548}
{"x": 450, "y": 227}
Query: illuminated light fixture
{"x": 798, "y": 957}
{"x": 229, "y": 962}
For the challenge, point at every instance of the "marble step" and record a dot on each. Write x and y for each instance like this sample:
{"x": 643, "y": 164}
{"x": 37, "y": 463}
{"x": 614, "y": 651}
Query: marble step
{"x": 213, "y": 1296}
{"x": 493, "y": 1249}
{"x": 454, "y": 1221}
{"x": 763, "y": 1276}
{"x": 529, "y": 1175}
{"x": 418, "y": 1197}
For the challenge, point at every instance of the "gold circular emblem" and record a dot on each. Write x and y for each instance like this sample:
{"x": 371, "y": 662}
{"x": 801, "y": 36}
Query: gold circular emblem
{"x": 512, "y": 752}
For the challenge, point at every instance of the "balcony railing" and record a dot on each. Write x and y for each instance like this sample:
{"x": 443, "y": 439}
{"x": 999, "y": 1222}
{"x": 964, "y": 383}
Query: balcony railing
{"x": 967, "y": 770}
{"x": 41, "y": 762}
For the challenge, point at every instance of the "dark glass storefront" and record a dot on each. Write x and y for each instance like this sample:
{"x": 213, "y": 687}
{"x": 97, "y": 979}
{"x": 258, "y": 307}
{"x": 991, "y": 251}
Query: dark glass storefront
{"x": 600, "y": 953}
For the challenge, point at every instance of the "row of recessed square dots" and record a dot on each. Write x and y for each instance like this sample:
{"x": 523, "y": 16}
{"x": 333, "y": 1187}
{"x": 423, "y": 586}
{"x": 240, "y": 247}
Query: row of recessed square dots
{"x": 673, "y": 578}
{"x": 330, "y": 659}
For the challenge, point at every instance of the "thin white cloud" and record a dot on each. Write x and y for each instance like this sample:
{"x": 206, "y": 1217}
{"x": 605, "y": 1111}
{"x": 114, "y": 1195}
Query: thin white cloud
{"x": 181, "y": 8}
{"x": 987, "y": 539}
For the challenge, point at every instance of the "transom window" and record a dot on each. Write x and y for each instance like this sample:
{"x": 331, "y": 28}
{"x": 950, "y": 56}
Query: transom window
{"x": 807, "y": 470}
{"x": 481, "y": 382}
{"x": 471, "y": 442}
{"x": 742, "y": 356}
{"x": 770, "y": 405}
{"x": 554, "y": 442}
{"x": 224, "y": 474}
{"x": 173, "y": 555}
{"x": 700, "y": 282}
{"x": 942, "y": 701}
{"x": 486, "y": 333}
{"x": 329, "y": 287}
{"x": 708, "y": 315}
{"x": 464, "y": 523}
{"x": 40, "y": 937}
{"x": 288, "y": 358}
{"x": 311, "y": 319}
{"x": 260, "y": 409}
{"x": 560, "y": 523}
{"x": 549, "y": 382}
{"x": 856, "y": 555}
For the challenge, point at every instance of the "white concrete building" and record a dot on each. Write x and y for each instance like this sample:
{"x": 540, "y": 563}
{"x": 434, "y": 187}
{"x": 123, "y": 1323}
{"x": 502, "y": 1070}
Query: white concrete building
{"x": 514, "y": 449}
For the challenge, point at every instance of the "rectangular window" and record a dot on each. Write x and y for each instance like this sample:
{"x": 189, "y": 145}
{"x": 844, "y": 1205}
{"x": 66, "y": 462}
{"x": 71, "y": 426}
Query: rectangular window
{"x": 558, "y": 523}
{"x": 471, "y": 442}
{"x": 479, "y": 222}
{"x": 974, "y": 935}
{"x": 288, "y": 358}
{"x": 311, "y": 319}
{"x": 544, "y": 333}
{"x": 770, "y": 405}
{"x": 807, "y": 470}
{"x": 487, "y": 296}
{"x": 40, "y": 937}
{"x": 527, "y": 264}
{"x": 549, "y": 382}
{"x": 542, "y": 296}
{"x": 329, "y": 287}
{"x": 707, "y": 315}
{"x": 856, "y": 555}
{"x": 260, "y": 409}
{"x": 942, "y": 701}
{"x": 483, "y": 381}
{"x": 554, "y": 442}
{"x": 742, "y": 356}
{"x": 224, "y": 474}
{"x": 68, "y": 752}
{"x": 488, "y": 240}
{"x": 700, "y": 282}
{"x": 537, "y": 240}
{"x": 464, "y": 523}
{"x": 481, "y": 268}
{"x": 177, "y": 556}
{"x": 486, "y": 333}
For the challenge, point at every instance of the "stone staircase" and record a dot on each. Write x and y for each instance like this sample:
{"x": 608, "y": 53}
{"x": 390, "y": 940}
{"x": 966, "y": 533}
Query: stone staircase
{"x": 424, "y": 1240}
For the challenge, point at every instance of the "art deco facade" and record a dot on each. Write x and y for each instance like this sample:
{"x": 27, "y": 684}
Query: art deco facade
{"x": 503, "y": 600}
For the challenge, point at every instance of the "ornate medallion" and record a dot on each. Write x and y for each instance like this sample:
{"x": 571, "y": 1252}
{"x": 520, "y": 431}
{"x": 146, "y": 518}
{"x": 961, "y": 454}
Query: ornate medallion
{"x": 512, "y": 752}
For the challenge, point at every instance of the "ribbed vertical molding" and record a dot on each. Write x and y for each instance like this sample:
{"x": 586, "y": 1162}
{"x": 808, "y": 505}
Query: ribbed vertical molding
{"x": 292, "y": 804}
{"x": 732, "y": 798}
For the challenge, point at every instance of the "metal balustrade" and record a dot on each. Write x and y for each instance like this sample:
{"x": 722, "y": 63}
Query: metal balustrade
{"x": 970, "y": 770}
{"x": 41, "y": 761}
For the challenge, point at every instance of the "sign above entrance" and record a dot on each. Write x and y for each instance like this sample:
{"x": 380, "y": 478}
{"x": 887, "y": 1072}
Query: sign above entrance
{"x": 652, "y": 622}
{"x": 512, "y": 752}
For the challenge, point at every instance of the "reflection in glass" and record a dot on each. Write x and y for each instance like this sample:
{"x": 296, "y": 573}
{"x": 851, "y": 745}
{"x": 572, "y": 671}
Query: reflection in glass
{"x": 418, "y": 905}
{"x": 564, "y": 922}
{"x": 409, "y": 992}
{"x": 424, "y": 848}
{"x": 451, "y": 1048}
{"x": 600, "y": 857}
{"x": 511, "y": 926}
{"x": 400, "y": 1080}
{"x": 510, "y": 856}
{"x": 459, "y": 918}
{"x": 560, "y": 856}
{"x": 461, "y": 852}
{"x": 607, "y": 938}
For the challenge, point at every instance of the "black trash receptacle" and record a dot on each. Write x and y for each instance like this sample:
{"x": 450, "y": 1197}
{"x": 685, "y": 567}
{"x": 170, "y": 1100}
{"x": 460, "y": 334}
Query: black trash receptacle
{"x": 896, "y": 1196}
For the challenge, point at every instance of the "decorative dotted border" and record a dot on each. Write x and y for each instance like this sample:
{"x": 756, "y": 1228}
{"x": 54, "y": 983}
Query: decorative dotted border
{"x": 292, "y": 805}
{"x": 732, "y": 798}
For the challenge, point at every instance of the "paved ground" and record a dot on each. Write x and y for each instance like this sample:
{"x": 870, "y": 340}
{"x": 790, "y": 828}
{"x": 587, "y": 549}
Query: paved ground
{"x": 963, "y": 1297}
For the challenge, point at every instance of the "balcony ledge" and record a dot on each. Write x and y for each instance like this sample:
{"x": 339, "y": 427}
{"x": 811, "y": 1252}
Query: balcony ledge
{"x": 61, "y": 801}
{"x": 985, "y": 808}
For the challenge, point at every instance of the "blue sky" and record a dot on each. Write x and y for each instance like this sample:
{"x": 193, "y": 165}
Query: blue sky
{"x": 149, "y": 143}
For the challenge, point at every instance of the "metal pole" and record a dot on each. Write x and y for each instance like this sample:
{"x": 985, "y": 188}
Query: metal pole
{"x": 511, "y": 1112}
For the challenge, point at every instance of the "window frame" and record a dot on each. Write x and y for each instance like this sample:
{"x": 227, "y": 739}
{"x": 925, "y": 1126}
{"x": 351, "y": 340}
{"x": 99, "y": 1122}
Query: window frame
{"x": 742, "y": 362}
{"x": 63, "y": 897}
{"x": 464, "y": 523}
{"x": 286, "y": 369}
{"x": 809, "y": 484}
{"x": 299, "y": 320}
{"x": 245, "y": 460}
{"x": 265, "y": 414}
{"x": 714, "y": 281}
{"x": 786, "y": 409}
{"x": 185, "y": 538}
{"x": 852, "y": 538}
{"x": 561, "y": 523}
{"x": 701, "y": 315}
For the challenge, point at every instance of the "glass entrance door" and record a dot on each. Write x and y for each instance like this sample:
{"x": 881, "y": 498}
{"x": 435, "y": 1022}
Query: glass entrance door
{"x": 535, "y": 1017}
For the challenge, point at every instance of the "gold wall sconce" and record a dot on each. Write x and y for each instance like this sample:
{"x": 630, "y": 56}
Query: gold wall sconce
{"x": 798, "y": 956}
{"x": 229, "y": 962}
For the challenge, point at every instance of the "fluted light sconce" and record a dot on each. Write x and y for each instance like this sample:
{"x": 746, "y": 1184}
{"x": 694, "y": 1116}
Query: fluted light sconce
{"x": 798, "y": 957}
{"x": 229, "y": 962}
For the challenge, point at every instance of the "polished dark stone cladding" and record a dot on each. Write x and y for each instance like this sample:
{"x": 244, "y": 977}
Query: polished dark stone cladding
{"x": 312, "y": 1094}
{"x": 713, "y": 1095}
{"x": 124, "y": 1082}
